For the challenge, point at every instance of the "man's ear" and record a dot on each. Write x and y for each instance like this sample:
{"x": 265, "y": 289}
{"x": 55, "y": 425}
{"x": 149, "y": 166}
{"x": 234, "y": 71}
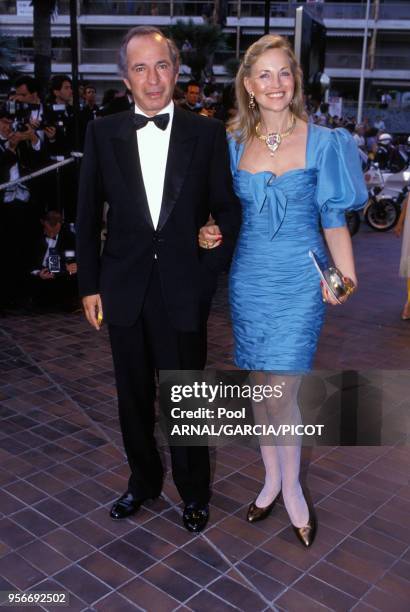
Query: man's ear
{"x": 127, "y": 83}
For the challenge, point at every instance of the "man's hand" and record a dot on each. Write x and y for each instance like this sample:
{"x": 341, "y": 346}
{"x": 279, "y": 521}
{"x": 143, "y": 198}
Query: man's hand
{"x": 93, "y": 310}
{"x": 14, "y": 139}
{"x": 28, "y": 134}
{"x": 45, "y": 274}
{"x": 35, "y": 123}
{"x": 71, "y": 268}
{"x": 31, "y": 134}
{"x": 50, "y": 132}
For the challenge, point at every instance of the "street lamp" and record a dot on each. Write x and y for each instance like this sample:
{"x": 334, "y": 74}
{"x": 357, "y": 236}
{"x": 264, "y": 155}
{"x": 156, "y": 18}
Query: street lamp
{"x": 363, "y": 66}
{"x": 74, "y": 71}
{"x": 267, "y": 16}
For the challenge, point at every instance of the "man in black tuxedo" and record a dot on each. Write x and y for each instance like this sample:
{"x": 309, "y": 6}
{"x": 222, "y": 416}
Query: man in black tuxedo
{"x": 53, "y": 283}
{"x": 163, "y": 171}
{"x": 20, "y": 154}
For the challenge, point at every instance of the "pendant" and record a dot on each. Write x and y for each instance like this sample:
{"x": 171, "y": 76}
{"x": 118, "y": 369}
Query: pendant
{"x": 273, "y": 141}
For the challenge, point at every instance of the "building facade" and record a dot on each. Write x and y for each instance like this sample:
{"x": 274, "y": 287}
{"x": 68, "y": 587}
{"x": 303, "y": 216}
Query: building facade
{"x": 101, "y": 25}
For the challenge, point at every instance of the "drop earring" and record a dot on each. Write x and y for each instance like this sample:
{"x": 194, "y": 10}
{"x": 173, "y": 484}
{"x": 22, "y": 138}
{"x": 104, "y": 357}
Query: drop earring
{"x": 252, "y": 104}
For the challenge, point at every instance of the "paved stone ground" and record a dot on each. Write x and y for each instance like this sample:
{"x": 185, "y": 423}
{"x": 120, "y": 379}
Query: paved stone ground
{"x": 61, "y": 466}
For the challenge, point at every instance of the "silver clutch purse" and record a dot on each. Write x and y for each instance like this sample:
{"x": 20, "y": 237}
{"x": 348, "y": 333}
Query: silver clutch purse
{"x": 332, "y": 279}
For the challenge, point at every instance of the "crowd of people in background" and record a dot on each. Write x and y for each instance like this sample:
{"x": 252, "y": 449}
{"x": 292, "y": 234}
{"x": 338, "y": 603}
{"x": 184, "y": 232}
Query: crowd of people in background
{"x": 371, "y": 138}
{"x": 37, "y": 131}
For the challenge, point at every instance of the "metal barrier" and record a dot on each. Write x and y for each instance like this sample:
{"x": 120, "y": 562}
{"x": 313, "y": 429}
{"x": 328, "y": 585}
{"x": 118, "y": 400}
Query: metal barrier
{"x": 27, "y": 177}
{"x": 59, "y": 194}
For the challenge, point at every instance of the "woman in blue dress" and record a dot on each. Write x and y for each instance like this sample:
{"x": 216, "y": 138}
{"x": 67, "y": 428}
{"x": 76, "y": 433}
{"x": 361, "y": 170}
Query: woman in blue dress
{"x": 291, "y": 177}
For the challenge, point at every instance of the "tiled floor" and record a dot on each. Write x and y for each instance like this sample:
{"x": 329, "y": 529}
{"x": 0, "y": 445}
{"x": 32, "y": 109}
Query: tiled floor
{"x": 61, "y": 465}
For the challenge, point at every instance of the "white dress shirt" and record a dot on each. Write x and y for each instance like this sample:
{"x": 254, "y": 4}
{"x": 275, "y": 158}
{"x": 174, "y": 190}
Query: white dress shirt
{"x": 153, "y": 144}
{"x": 51, "y": 244}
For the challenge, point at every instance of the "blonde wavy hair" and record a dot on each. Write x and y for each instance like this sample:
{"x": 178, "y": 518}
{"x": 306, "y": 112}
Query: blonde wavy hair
{"x": 242, "y": 125}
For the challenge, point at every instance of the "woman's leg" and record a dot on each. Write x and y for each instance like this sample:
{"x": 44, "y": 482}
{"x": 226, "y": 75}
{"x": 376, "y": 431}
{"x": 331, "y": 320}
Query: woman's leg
{"x": 272, "y": 484}
{"x": 281, "y": 456}
{"x": 406, "y": 310}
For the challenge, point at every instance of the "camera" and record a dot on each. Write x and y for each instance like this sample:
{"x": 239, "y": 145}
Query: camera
{"x": 54, "y": 115}
{"x": 20, "y": 112}
{"x": 54, "y": 262}
{"x": 69, "y": 257}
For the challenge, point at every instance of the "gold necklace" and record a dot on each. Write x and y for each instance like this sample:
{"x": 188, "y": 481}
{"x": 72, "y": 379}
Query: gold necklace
{"x": 274, "y": 139}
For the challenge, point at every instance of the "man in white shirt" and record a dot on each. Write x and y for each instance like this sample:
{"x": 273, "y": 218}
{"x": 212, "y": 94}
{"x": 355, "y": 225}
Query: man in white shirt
{"x": 163, "y": 171}
{"x": 379, "y": 124}
{"x": 359, "y": 138}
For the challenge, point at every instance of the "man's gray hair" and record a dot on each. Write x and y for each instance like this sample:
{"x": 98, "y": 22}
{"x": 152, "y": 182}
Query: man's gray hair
{"x": 144, "y": 31}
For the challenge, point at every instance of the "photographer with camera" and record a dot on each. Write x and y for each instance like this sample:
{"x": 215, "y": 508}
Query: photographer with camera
{"x": 27, "y": 93}
{"x": 53, "y": 274}
{"x": 59, "y": 117}
{"x": 20, "y": 153}
{"x": 89, "y": 110}
{"x": 60, "y": 142}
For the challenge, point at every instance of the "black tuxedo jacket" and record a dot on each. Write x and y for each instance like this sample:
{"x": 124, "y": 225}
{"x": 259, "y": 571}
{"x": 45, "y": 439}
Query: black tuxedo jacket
{"x": 197, "y": 182}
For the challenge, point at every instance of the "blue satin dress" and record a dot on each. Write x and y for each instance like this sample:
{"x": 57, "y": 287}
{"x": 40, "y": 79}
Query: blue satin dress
{"x": 276, "y": 302}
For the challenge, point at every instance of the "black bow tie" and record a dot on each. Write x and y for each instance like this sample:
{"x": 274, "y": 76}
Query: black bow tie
{"x": 161, "y": 121}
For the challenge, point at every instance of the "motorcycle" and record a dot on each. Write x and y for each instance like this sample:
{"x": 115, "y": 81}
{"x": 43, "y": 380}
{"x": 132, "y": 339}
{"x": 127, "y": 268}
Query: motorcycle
{"x": 387, "y": 190}
{"x": 352, "y": 221}
{"x": 353, "y": 216}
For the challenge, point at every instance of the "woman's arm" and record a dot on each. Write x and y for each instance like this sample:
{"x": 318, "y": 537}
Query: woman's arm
{"x": 399, "y": 225}
{"x": 340, "y": 246}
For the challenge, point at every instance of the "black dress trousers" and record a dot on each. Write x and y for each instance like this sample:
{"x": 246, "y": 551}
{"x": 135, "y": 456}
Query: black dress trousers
{"x": 153, "y": 344}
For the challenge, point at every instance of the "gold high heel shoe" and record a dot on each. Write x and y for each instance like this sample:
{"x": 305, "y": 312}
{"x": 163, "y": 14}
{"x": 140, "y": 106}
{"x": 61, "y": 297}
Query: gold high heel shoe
{"x": 307, "y": 534}
{"x": 258, "y": 514}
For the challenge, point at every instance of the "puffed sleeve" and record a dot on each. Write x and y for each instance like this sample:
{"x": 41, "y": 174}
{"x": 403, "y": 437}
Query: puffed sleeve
{"x": 234, "y": 152}
{"x": 340, "y": 184}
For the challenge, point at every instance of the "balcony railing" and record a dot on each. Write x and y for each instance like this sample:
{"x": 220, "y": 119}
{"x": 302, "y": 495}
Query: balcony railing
{"x": 60, "y": 55}
{"x": 392, "y": 62}
{"x": 343, "y": 60}
{"x": 160, "y": 8}
{"x": 99, "y": 56}
{"x": 354, "y": 60}
{"x": 89, "y": 55}
{"x": 193, "y": 8}
{"x": 110, "y": 56}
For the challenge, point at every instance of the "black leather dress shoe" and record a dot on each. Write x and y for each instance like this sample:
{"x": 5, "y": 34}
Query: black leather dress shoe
{"x": 125, "y": 506}
{"x": 195, "y": 516}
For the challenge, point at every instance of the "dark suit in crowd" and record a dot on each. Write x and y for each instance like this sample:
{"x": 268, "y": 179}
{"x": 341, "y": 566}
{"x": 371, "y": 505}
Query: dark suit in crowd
{"x": 59, "y": 288}
{"x": 18, "y": 211}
